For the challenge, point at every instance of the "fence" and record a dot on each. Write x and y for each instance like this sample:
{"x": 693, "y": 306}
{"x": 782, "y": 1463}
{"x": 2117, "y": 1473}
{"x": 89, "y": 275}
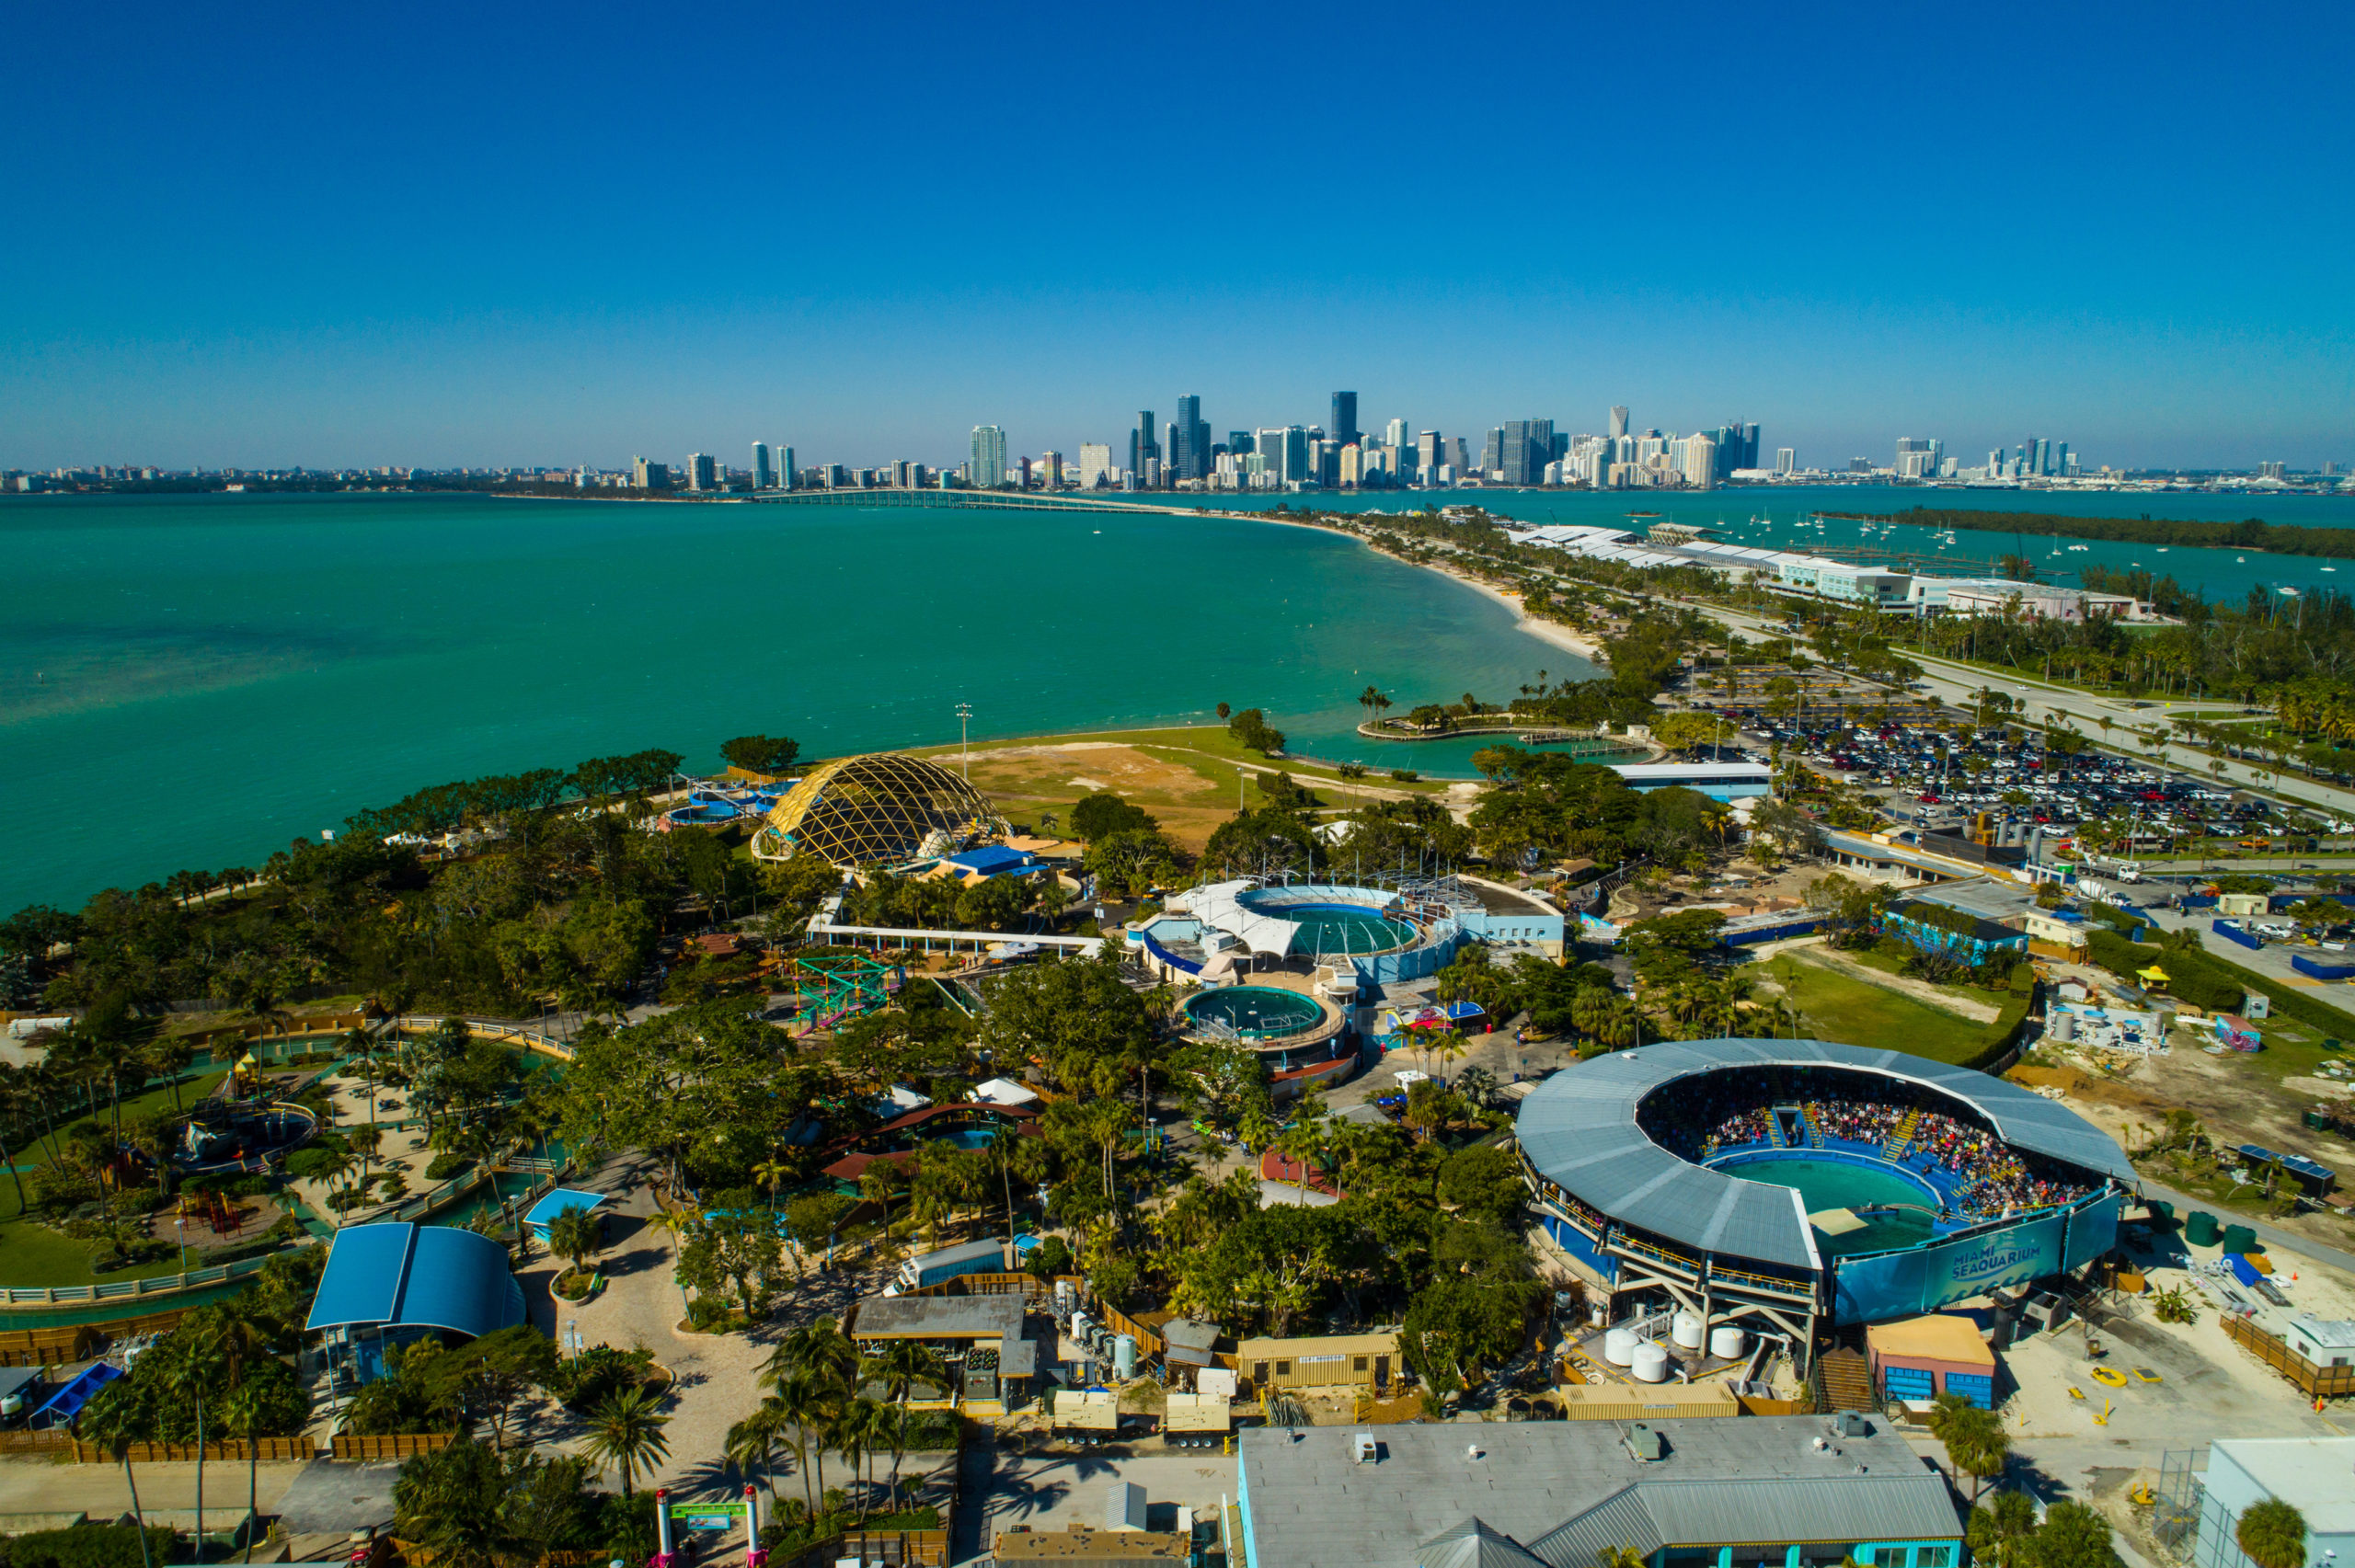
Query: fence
{"x": 129, "y": 1289}
{"x": 895, "y": 1549}
{"x": 24, "y": 1440}
{"x": 272, "y": 1451}
{"x": 2315, "y": 1382}
{"x": 390, "y": 1446}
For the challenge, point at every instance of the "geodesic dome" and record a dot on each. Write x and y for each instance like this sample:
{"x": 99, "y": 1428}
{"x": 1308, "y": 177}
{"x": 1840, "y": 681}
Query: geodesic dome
{"x": 876, "y": 809}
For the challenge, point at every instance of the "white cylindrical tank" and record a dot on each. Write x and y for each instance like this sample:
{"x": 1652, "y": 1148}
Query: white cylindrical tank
{"x": 1619, "y": 1347}
{"x": 1650, "y": 1362}
{"x": 1685, "y": 1330}
{"x": 1124, "y": 1356}
{"x": 1726, "y": 1341}
{"x": 2064, "y": 1026}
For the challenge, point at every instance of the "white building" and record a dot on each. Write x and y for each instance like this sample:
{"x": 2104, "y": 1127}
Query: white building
{"x": 2314, "y": 1475}
{"x": 1095, "y": 465}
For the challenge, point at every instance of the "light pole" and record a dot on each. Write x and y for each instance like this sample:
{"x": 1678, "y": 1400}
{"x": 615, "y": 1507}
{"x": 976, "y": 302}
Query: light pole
{"x": 964, "y": 738}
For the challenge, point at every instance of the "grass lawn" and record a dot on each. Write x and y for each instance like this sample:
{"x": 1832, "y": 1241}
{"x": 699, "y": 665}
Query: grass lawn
{"x": 1850, "y": 1013}
{"x": 33, "y": 1256}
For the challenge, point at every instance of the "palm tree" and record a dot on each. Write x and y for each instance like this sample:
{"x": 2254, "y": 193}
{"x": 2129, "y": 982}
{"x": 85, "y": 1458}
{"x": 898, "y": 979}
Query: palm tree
{"x": 2000, "y": 1528}
{"x": 241, "y": 1414}
{"x": 809, "y": 1402}
{"x": 15, "y": 1099}
{"x": 114, "y": 1425}
{"x": 572, "y": 1236}
{"x": 2273, "y": 1533}
{"x": 625, "y": 1431}
{"x": 1619, "y": 1557}
{"x": 462, "y": 1506}
{"x": 906, "y": 1364}
{"x": 752, "y": 1443}
{"x": 864, "y": 1425}
{"x": 198, "y": 1346}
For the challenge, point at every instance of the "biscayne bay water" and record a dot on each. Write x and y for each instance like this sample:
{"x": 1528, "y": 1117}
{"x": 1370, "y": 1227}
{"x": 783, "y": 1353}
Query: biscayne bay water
{"x": 191, "y": 682}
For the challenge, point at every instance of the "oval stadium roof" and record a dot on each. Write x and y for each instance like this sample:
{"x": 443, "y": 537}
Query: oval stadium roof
{"x": 1578, "y": 1130}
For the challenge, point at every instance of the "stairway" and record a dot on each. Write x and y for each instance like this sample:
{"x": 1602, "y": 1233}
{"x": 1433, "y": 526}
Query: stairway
{"x": 1903, "y": 1139}
{"x": 1774, "y": 1128}
{"x": 1846, "y": 1381}
{"x": 1814, "y": 1131}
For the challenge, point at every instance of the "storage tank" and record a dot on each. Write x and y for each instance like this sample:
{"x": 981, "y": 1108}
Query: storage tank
{"x": 1619, "y": 1347}
{"x": 1124, "y": 1356}
{"x": 1650, "y": 1362}
{"x": 2063, "y": 1027}
{"x": 2199, "y": 1229}
{"x": 1685, "y": 1330}
{"x": 1726, "y": 1341}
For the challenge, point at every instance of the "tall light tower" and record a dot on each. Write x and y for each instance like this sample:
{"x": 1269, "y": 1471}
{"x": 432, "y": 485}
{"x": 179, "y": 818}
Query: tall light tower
{"x": 964, "y": 738}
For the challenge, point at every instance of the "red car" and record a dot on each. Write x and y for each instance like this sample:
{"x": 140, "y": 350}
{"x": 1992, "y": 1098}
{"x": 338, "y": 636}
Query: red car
{"x": 1927, "y": 799}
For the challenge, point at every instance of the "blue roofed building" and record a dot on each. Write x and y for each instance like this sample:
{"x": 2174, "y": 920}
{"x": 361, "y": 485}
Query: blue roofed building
{"x": 388, "y": 1285}
{"x": 978, "y": 864}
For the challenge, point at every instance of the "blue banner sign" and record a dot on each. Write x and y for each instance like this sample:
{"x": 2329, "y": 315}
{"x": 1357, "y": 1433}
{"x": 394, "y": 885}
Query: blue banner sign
{"x": 1925, "y": 1279}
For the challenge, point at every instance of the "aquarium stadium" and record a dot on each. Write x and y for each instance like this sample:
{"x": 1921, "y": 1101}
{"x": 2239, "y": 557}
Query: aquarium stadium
{"x": 1807, "y": 1184}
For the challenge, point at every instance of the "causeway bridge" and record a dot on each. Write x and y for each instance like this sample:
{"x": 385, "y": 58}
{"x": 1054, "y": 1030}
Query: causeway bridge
{"x": 982, "y": 500}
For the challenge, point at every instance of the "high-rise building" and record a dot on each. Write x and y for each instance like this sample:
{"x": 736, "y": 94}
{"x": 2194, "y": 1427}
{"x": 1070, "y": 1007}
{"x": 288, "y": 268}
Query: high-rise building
{"x": 1239, "y": 441}
{"x": 1142, "y": 446}
{"x": 1190, "y": 441}
{"x": 1285, "y": 450}
{"x": 1917, "y": 458}
{"x": 1348, "y": 474}
{"x": 1525, "y": 447}
{"x": 988, "y": 470}
{"x": 1618, "y": 420}
{"x": 1700, "y": 462}
{"x": 1492, "y": 456}
{"x": 702, "y": 473}
{"x": 1345, "y": 417}
{"x": 1095, "y": 465}
{"x": 762, "y": 478}
{"x": 1394, "y": 433}
{"x": 1051, "y": 471}
{"x": 1463, "y": 464}
{"x": 647, "y": 476}
{"x": 1429, "y": 453}
{"x": 786, "y": 477}
{"x": 1786, "y": 460}
{"x": 2274, "y": 470}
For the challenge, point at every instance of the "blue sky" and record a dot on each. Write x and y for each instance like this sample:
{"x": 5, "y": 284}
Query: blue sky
{"x": 441, "y": 233}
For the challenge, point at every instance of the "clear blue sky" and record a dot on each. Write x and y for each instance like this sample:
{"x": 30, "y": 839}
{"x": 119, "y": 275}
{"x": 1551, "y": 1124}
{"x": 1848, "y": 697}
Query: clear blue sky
{"x": 445, "y": 233}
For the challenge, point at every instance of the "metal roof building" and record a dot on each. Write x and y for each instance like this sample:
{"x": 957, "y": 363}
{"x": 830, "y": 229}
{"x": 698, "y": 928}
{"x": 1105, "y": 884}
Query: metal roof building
{"x": 1779, "y": 1490}
{"x": 388, "y": 1284}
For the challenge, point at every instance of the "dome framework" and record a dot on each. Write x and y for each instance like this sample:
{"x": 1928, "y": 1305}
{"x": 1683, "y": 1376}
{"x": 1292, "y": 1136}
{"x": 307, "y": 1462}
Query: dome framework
{"x": 877, "y": 809}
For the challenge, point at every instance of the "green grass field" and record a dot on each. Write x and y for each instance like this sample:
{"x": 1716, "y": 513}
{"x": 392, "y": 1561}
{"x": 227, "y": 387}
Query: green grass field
{"x": 1850, "y": 1012}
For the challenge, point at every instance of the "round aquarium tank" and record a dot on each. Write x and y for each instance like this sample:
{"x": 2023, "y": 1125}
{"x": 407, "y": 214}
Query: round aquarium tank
{"x": 1254, "y": 1012}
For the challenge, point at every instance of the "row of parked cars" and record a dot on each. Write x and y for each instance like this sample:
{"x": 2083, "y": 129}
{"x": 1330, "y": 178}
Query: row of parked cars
{"x": 2060, "y": 791}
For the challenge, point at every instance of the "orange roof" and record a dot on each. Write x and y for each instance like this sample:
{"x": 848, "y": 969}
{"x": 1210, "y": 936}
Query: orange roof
{"x": 1937, "y": 1336}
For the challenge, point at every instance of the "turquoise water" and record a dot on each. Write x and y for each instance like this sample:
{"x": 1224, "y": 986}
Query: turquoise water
{"x": 191, "y": 682}
{"x": 1836, "y": 1183}
{"x": 1335, "y": 928}
{"x": 1257, "y": 1011}
{"x": 225, "y": 674}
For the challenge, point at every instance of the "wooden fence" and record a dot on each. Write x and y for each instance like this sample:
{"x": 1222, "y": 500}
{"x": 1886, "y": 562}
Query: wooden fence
{"x": 2315, "y": 1382}
{"x": 391, "y": 1445}
{"x": 272, "y": 1450}
{"x": 77, "y": 1342}
{"x": 896, "y": 1549}
{"x": 24, "y": 1440}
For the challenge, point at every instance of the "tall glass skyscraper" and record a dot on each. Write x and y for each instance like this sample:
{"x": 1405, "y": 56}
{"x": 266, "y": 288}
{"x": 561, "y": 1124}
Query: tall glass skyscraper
{"x": 988, "y": 471}
{"x": 1527, "y": 447}
{"x": 1142, "y": 447}
{"x": 1345, "y": 417}
{"x": 1190, "y": 441}
{"x": 762, "y": 478}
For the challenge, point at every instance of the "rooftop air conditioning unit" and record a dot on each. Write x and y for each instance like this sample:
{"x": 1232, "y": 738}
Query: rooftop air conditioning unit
{"x": 1361, "y": 1447}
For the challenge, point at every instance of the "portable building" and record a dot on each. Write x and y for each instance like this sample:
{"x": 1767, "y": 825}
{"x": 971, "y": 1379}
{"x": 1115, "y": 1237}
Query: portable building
{"x": 1341, "y": 1360}
{"x": 1938, "y": 1353}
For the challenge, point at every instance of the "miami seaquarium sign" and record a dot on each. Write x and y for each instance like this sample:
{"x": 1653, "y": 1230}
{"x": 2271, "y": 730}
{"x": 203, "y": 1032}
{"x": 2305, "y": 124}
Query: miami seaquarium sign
{"x": 1924, "y": 1278}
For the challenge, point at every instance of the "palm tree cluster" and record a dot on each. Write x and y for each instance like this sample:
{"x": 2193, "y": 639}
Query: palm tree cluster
{"x": 818, "y": 1403}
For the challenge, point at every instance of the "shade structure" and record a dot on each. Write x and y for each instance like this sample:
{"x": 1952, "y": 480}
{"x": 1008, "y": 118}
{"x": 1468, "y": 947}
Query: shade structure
{"x": 877, "y": 809}
{"x": 434, "y": 1277}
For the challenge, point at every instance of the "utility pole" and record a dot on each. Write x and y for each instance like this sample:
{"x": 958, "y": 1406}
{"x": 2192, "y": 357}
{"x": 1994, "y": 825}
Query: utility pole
{"x": 964, "y": 738}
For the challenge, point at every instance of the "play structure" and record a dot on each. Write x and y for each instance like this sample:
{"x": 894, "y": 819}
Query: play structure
{"x": 832, "y": 987}
{"x": 250, "y": 1136}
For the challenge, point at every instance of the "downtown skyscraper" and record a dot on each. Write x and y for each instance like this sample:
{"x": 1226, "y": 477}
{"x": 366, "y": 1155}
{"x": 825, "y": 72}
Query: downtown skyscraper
{"x": 1190, "y": 441}
{"x": 1344, "y": 427}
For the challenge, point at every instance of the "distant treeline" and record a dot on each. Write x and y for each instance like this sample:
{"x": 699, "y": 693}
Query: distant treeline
{"x": 2251, "y": 534}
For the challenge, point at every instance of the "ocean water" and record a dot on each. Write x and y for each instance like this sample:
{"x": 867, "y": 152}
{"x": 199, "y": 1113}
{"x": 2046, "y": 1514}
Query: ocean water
{"x": 192, "y": 682}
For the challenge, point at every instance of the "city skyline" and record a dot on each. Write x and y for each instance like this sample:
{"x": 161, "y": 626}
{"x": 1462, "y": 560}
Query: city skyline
{"x": 481, "y": 255}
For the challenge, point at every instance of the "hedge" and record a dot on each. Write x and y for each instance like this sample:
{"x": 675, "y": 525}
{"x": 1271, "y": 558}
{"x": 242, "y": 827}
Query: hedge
{"x": 2002, "y": 1034}
{"x": 86, "y": 1546}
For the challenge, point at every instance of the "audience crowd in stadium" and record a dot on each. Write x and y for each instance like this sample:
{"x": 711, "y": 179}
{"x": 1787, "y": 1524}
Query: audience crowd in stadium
{"x": 1732, "y": 1111}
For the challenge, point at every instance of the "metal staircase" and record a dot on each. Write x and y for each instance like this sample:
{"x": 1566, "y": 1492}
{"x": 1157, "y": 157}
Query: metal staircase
{"x": 1901, "y": 1139}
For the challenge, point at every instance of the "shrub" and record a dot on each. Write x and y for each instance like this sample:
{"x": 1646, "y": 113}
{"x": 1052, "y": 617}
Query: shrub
{"x": 87, "y": 1546}
{"x": 442, "y": 1167}
{"x": 711, "y": 1314}
{"x": 1404, "y": 775}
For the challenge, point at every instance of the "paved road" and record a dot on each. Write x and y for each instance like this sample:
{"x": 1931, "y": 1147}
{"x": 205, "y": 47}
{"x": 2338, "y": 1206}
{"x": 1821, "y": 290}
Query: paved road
{"x": 2271, "y": 1235}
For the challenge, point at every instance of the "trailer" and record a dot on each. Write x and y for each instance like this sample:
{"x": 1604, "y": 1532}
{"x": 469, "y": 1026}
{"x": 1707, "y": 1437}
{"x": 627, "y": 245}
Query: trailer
{"x": 1197, "y": 1420}
{"x": 935, "y": 1268}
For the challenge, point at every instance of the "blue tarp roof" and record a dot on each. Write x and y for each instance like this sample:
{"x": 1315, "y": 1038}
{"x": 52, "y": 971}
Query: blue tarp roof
{"x": 562, "y": 1200}
{"x": 423, "y": 1275}
{"x": 989, "y": 859}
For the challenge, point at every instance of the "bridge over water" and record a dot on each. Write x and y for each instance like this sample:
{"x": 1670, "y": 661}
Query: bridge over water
{"x": 981, "y": 500}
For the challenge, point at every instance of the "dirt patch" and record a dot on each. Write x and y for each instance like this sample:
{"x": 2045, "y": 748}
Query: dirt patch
{"x": 1027, "y": 780}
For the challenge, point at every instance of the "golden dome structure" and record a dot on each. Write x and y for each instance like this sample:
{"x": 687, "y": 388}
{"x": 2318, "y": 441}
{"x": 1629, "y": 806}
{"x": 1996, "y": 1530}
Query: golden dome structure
{"x": 877, "y": 809}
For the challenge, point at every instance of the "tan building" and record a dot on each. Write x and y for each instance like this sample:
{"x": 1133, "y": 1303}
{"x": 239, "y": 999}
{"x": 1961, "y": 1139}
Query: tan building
{"x": 1328, "y": 1361}
{"x": 1647, "y": 1403}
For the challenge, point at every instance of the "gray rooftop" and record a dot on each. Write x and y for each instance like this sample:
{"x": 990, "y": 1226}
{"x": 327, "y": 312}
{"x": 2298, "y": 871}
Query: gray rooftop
{"x": 938, "y": 1317}
{"x": 1578, "y": 1130}
{"x": 1560, "y": 1492}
